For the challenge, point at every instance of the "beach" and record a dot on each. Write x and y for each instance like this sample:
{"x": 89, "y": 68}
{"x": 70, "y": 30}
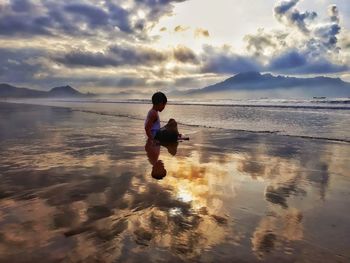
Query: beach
{"x": 77, "y": 186}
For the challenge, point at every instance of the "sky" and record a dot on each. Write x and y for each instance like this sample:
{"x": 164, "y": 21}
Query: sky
{"x": 141, "y": 46}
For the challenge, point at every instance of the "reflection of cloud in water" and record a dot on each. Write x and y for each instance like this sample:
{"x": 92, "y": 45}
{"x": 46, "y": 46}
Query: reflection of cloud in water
{"x": 202, "y": 184}
{"x": 78, "y": 196}
{"x": 276, "y": 230}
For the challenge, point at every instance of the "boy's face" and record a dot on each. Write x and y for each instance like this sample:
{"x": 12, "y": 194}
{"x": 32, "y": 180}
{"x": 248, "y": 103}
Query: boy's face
{"x": 161, "y": 106}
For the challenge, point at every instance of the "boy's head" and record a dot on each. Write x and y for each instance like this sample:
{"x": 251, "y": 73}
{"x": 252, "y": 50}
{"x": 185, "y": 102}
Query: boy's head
{"x": 159, "y": 100}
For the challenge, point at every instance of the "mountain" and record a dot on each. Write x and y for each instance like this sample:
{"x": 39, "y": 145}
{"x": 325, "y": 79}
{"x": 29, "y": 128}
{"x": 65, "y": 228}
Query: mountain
{"x": 256, "y": 82}
{"x": 8, "y": 91}
{"x": 64, "y": 91}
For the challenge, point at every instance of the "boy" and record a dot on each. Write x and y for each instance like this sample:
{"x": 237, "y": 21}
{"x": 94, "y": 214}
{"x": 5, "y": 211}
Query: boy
{"x": 169, "y": 132}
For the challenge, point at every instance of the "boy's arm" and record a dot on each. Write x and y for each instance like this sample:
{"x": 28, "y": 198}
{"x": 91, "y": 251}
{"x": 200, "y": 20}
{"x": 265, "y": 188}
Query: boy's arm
{"x": 152, "y": 118}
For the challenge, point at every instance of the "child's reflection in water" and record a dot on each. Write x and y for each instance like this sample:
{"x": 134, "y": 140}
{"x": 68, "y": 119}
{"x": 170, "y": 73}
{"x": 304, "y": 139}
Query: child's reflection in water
{"x": 153, "y": 150}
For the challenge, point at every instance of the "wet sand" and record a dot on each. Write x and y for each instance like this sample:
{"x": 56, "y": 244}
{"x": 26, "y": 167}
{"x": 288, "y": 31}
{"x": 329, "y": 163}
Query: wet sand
{"x": 82, "y": 187}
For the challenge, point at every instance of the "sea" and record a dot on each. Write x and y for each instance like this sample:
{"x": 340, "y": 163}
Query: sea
{"x": 317, "y": 118}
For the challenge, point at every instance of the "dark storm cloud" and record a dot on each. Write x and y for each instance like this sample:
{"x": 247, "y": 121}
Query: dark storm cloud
{"x": 185, "y": 55}
{"x": 222, "y": 60}
{"x": 116, "y": 56}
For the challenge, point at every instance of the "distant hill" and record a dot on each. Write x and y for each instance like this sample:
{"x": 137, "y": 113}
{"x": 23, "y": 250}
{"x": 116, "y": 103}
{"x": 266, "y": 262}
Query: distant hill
{"x": 257, "y": 82}
{"x": 64, "y": 91}
{"x": 8, "y": 91}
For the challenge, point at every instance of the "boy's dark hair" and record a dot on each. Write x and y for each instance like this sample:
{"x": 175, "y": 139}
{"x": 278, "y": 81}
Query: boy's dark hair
{"x": 158, "y": 98}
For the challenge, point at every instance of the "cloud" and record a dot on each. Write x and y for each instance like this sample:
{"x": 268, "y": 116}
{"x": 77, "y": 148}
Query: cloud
{"x": 223, "y": 60}
{"x": 21, "y": 6}
{"x": 185, "y": 55}
{"x": 199, "y": 32}
{"x": 54, "y": 18}
{"x": 48, "y": 18}
{"x": 119, "y": 17}
{"x": 116, "y": 56}
{"x": 296, "y": 62}
{"x": 180, "y": 28}
{"x": 327, "y": 33}
{"x": 19, "y": 65}
{"x": 157, "y": 8}
{"x": 311, "y": 47}
{"x": 86, "y": 58}
{"x": 72, "y": 41}
{"x": 289, "y": 60}
{"x": 118, "y": 82}
{"x": 32, "y": 67}
{"x": 333, "y": 13}
{"x": 138, "y": 55}
{"x": 286, "y": 13}
{"x": 263, "y": 43}
{"x": 94, "y": 16}
{"x": 16, "y": 19}
{"x": 284, "y": 7}
{"x": 345, "y": 41}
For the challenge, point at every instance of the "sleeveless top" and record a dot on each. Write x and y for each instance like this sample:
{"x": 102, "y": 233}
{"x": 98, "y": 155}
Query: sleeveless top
{"x": 156, "y": 125}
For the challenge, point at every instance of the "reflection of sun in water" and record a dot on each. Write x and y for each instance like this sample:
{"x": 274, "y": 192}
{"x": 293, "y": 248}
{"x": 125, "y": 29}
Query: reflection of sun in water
{"x": 184, "y": 195}
{"x": 203, "y": 184}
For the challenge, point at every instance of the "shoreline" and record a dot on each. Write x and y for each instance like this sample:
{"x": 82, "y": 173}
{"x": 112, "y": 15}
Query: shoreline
{"x": 346, "y": 141}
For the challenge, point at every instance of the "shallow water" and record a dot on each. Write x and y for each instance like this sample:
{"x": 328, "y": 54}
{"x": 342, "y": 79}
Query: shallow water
{"x": 77, "y": 186}
{"x": 292, "y": 118}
